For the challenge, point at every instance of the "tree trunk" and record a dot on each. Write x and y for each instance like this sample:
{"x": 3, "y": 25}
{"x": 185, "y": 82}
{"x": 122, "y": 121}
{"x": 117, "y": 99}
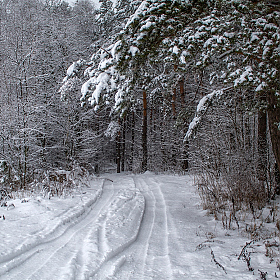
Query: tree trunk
{"x": 162, "y": 146}
{"x": 185, "y": 163}
{"x": 273, "y": 122}
{"x": 144, "y": 134}
{"x": 123, "y": 143}
{"x": 262, "y": 145}
{"x": 182, "y": 91}
{"x": 132, "y": 141}
{"x": 173, "y": 102}
{"x": 185, "y": 160}
{"x": 118, "y": 150}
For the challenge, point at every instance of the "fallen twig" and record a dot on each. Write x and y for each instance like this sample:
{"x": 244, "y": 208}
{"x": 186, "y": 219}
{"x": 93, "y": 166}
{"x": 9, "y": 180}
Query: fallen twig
{"x": 216, "y": 262}
{"x": 262, "y": 274}
{"x": 245, "y": 255}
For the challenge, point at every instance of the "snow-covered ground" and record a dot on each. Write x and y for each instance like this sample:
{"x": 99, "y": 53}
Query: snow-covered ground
{"x": 125, "y": 227}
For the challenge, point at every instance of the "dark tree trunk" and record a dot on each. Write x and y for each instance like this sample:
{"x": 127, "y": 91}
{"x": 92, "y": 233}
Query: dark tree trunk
{"x": 262, "y": 144}
{"x": 182, "y": 92}
{"x": 273, "y": 113}
{"x": 174, "y": 102}
{"x": 185, "y": 163}
{"x": 123, "y": 143}
{"x": 144, "y": 134}
{"x": 185, "y": 160}
{"x": 118, "y": 150}
{"x": 132, "y": 141}
{"x": 277, "y": 179}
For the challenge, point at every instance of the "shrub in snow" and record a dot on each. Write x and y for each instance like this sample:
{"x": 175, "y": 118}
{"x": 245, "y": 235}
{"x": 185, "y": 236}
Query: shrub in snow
{"x": 61, "y": 182}
{"x": 8, "y": 179}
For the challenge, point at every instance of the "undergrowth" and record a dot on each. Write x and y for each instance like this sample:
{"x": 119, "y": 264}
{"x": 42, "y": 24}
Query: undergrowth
{"x": 245, "y": 204}
{"x": 60, "y": 183}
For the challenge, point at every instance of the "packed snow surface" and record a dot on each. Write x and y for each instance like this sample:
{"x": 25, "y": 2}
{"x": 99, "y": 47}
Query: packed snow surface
{"x": 122, "y": 227}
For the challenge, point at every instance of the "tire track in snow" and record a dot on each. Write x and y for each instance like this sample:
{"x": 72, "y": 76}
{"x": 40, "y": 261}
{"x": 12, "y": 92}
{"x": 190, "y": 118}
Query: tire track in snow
{"x": 49, "y": 255}
{"x": 158, "y": 251}
{"x": 148, "y": 256}
{"x": 183, "y": 255}
{"x": 148, "y": 222}
{"x": 177, "y": 252}
{"x": 176, "y": 244}
{"x": 116, "y": 257}
{"x": 162, "y": 205}
{"x": 51, "y": 233}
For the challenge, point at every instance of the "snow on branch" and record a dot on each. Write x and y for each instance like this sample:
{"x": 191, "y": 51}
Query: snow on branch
{"x": 74, "y": 68}
{"x": 71, "y": 78}
{"x": 141, "y": 9}
{"x": 112, "y": 129}
{"x": 201, "y": 109}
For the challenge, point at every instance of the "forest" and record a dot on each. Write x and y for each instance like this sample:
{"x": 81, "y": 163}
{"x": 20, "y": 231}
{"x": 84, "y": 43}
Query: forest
{"x": 168, "y": 86}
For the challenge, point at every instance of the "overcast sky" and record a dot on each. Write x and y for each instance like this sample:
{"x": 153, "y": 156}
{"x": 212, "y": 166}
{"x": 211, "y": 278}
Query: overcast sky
{"x": 96, "y": 2}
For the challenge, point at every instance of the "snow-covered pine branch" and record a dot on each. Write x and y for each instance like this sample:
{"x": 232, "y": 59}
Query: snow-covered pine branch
{"x": 201, "y": 110}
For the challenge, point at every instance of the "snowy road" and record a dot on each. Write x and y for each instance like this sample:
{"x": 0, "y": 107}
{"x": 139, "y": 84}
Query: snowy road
{"x": 133, "y": 227}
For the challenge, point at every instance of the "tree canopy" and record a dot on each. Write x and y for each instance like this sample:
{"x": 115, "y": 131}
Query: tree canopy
{"x": 235, "y": 43}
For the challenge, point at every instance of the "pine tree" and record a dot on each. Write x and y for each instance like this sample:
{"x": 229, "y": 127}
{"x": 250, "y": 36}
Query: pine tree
{"x": 105, "y": 18}
{"x": 164, "y": 42}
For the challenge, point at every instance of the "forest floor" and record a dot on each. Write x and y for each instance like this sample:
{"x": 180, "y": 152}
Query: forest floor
{"x": 128, "y": 227}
